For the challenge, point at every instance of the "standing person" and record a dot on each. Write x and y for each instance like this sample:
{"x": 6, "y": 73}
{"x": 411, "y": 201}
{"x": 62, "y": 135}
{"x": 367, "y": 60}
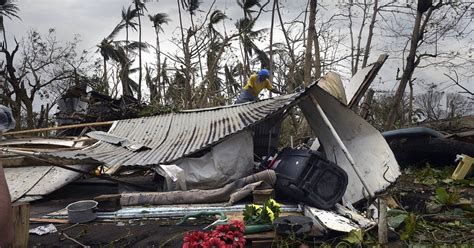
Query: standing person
{"x": 255, "y": 84}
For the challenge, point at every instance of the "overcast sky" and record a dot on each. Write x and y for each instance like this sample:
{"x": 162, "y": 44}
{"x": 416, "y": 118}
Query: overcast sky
{"x": 94, "y": 19}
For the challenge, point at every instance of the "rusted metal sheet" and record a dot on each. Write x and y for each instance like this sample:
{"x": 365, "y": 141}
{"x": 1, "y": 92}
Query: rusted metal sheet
{"x": 177, "y": 135}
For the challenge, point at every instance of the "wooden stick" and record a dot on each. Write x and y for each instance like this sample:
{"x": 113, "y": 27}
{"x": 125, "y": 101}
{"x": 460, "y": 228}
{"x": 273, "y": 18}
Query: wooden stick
{"x": 383, "y": 227}
{"x": 43, "y": 220}
{"x": 38, "y": 130}
{"x": 21, "y": 224}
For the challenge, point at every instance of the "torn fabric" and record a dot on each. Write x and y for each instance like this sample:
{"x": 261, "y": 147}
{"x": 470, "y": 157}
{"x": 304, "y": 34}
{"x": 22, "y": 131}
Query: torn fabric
{"x": 231, "y": 193}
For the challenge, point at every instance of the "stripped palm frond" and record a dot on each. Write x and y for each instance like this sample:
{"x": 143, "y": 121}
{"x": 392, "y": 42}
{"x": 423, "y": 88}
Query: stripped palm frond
{"x": 159, "y": 19}
{"x": 191, "y": 5}
{"x": 9, "y": 9}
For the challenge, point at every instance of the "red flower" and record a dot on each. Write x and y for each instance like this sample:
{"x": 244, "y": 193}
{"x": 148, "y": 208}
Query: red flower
{"x": 194, "y": 239}
{"x": 223, "y": 236}
{"x": 214, "y": 243}
{"x": 223, "y": 228}
{"x": 238, "y": 224}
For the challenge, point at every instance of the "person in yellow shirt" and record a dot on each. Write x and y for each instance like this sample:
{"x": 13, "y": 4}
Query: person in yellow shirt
{"x": 255, "y": 84}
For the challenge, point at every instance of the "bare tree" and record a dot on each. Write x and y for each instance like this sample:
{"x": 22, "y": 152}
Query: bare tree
{"x": 308, "y": 63}
{"x": 45, "y": 66}
{"x": 446, "y": 18}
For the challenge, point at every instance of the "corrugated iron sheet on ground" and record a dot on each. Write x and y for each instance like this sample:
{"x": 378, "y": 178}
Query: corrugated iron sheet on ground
{"x": 176, "y": 135}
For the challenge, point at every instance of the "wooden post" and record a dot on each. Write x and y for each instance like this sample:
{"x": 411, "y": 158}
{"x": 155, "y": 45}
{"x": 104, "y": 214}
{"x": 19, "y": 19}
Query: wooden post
{"x": 21, "y": 224}
{"x": 383, "y": 227}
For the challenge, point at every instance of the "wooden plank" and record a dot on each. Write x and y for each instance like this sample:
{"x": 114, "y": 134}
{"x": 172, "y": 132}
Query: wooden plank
{"x": 21, "y": 224}
{"x": 42, "y": 220}
{"x": 261, "y": 236}
{"x": 39, "y": 130}
{"x": 354, "y": 102}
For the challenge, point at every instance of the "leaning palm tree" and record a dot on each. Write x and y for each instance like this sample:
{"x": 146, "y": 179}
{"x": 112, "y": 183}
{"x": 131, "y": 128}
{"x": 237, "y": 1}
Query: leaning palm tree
{"x": 106, "y": 49}
{"x": 10, "y": 10}
{"x": 216, "y": 17}
{"x": 158, "y": 20}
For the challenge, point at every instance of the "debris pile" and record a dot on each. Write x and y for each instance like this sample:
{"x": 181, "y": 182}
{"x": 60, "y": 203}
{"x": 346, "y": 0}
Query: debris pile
{"x": 216, "y": 176}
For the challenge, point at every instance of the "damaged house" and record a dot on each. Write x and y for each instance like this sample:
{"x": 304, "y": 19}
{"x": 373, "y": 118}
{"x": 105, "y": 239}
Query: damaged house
{"x": 217, "y": 156}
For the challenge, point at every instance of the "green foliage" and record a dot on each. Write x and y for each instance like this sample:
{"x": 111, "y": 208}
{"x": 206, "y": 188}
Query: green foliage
{"x": 445, "y": 198}
{"x": 396, "y": 218}
{"x": 265, "y": 214}
{"x": 410, "y": 226}
{"x": 156, "y": 109}
{"x": 355, "y": 237}
{"x": 431, "y": 176}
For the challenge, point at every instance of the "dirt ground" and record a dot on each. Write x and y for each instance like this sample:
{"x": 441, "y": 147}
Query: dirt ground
{"x": 119, "y": 234}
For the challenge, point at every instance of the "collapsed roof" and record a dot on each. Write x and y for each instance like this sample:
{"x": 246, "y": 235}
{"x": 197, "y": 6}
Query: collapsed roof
{"x": 167, "y": 138}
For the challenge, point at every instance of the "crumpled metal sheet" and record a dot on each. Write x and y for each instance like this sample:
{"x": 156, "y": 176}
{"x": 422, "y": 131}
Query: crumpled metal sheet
{"x": 116, "y": 140}
{"x": 32, "y": 182}
{"x": 176, "y": 135}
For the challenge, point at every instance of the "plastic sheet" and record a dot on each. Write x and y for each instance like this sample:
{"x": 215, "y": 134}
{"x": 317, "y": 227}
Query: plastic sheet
{"x": 7, "y": 121}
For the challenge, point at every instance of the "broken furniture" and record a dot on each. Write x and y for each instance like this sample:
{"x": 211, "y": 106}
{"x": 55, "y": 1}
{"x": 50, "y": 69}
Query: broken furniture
{"x": 307, "y": 177}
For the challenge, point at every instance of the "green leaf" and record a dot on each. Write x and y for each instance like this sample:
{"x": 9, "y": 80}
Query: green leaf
{"x": 441, "y": 195}
{"x": 395, "y": 221}
{"x": 410, "y": 227}
{"x": 355, "y": 237}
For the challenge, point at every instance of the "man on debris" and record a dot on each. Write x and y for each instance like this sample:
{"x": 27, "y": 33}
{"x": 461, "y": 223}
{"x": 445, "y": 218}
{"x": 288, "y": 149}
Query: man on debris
{"x": 255, "y": 84}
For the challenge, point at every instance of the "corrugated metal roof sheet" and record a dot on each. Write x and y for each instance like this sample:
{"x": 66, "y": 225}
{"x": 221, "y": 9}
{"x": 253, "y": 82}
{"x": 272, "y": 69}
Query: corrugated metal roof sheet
{"x": 173, "y": 136}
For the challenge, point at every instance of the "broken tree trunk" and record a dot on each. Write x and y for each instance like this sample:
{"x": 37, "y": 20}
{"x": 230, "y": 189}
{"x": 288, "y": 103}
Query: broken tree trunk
{"x": 365, "y": 107}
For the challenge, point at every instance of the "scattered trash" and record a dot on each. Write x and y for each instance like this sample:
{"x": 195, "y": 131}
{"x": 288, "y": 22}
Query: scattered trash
{"x": 464, "y": 167}
{"x": 41, "y": 230}
{"x": 330, "y": 220}
{"x": 293, "y": 225}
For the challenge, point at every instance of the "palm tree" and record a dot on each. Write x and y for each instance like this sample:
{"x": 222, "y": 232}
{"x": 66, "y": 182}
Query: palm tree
{"x": 216, "y": 17}
{"x": 106, "y": 49}
{"x": 214, "y": 81}
{"x": 245, "y": 26}
{"x": 247, "y": 35}
{"x": 128, "y": 16}
{"x": 192, "y": 6}
{"x": 139, "y": 7}
{"x": 158, "y": 20}
{"x": 10, "y": 10}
